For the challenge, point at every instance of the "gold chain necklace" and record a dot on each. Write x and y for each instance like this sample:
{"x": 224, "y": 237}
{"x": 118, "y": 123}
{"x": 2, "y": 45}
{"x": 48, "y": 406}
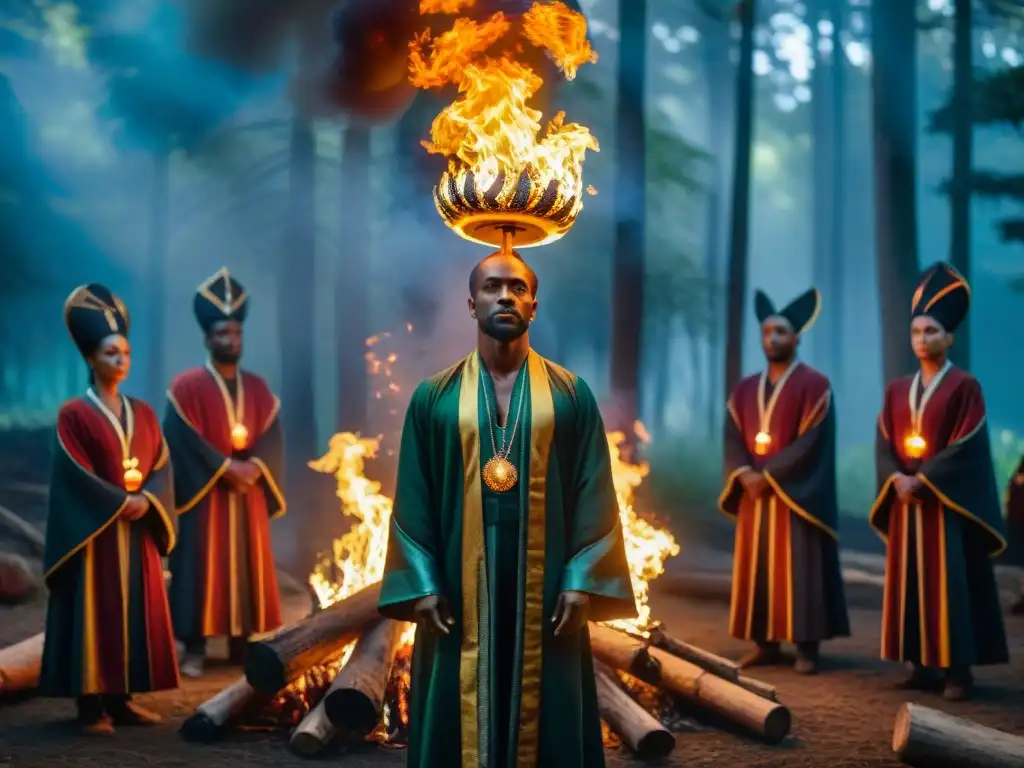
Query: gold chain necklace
{"x": 499, "y": 473}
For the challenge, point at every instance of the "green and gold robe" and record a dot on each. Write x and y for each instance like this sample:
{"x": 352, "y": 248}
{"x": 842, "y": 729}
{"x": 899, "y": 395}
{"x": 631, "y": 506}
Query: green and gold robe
{"x": 501, "y": 689}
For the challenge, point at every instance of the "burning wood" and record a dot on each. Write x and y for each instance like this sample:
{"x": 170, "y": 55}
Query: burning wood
{"x": 275, "y": 662}
{"x": 352, "y": 705}
{"x": 653, "y": 665}
{"x": 20, "y": 665}
{"x": 210, "y": 717}
{"x": 634, "y": 724}
{"x": 926, "y": 738}
{"x": 356, "y": 698}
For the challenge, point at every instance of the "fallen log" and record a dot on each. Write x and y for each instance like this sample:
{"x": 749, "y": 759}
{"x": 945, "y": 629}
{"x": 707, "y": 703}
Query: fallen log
{"x": 210, "y": 717}
{"x": 355, "y": 699}
{"x": 278, "y": 660}
{"x": 20, "y": 665}
{"x": 927, "y": 738}
{"x": 648, "y": 738}
{"x": 766, "y": 718}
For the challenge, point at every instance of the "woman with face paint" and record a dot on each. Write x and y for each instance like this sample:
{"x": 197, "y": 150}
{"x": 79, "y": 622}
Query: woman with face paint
{"x": 108, "y": 629}
{"x": 937, "y": 506}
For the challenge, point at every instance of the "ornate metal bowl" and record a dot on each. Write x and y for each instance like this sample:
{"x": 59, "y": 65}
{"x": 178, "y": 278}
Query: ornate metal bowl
{"x": 538, "y": 212}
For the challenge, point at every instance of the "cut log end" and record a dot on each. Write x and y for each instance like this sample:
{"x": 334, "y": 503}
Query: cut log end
{"x": 927, "y": 738}
{"x": 353, "y": 709}
{"x": 901, "y": 729}
{"x": 307, "y": 745}
{"x": 655, "y": 745}
{"x": 264, "y": 669}
{"x": 199, "y": 729}
{"x": 777, "y": 724}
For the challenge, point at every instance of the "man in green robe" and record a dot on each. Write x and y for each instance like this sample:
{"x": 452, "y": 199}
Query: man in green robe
{"x": 505, "y": 540}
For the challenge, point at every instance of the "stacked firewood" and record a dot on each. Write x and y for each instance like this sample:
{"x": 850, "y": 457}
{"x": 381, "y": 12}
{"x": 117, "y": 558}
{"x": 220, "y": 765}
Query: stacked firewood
{"x": 353, "y": 702}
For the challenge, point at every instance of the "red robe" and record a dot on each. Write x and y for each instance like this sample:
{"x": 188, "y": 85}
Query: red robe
{"x": 108, "y": 627}
{"x": 787, "y": 584}
{"x": 941, "y": 603}
{"x": 224, "y": 582}
{"x": 1015, "y": 514}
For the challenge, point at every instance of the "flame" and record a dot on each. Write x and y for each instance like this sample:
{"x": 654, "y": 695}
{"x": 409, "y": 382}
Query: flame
{"x": 489, "y": 130}
{"x": 647, "y": 547}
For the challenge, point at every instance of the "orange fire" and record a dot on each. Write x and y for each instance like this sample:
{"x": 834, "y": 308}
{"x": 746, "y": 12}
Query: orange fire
{"x": 489, "y": 133}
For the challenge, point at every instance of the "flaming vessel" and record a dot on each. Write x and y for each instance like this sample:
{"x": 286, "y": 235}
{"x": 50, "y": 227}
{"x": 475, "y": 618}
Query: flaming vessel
{"x": 504, "y": 180}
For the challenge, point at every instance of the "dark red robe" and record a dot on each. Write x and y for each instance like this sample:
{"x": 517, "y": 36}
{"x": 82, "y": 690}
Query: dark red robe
{"x": 1015, "y": 515}
{"x": 224, "y": 582}
{"x": 108, "y": 627}
{"x": 787, "y": 584}
{"x": 941, "y": 603}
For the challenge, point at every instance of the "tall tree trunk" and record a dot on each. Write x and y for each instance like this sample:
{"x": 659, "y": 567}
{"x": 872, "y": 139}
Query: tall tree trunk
{"x": 823, "y": 163}
{"x": 963, "y": 146}
{"x": 739, "y": 220}
{"x": 352, "y": 292}
{"x": 718, "y": 72}
{"x": 156, "y": 295}
{"x": 414, "y": 174}
{"x": 295, "y": 291}
{"x": 894, "y": 114}
{"x": 837, "y": 245}
{"x": 630, "y": 208}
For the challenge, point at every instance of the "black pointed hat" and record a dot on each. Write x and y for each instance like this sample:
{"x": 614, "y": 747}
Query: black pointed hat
{"x": 220, "y": 297}
{"x": 801, "y": 313}
{"x": 943, "y": 295}
{"x": 91, "y": 313}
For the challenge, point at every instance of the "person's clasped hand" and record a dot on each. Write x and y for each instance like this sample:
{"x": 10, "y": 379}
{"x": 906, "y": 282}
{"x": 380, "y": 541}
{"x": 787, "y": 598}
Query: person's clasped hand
{"x": 135, "y": 507}
{"x": 432, "y": 615}
{"x": 753, "y": 483}
{"x": 242, "y": 474}
{"x": 570, "y": 612}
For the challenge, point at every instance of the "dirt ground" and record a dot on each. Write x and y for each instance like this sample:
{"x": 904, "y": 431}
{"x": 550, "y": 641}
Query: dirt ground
{"x": 842, "y": 718}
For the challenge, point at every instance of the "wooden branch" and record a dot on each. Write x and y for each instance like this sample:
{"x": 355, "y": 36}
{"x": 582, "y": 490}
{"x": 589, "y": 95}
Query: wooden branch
{"x": 20, "y": 665}
{"x": 356, "y": 696}
{"x": 652, "y": 665}
{"x": 276, "y": 661}
{"x": 648, "y": 738}
{"x": 927, "y": 738}
{"x": 724, "y": 668}
{"x": 210, "y": 717}
{"x": 314, "y": 733}
{"x": 16, "y": 524}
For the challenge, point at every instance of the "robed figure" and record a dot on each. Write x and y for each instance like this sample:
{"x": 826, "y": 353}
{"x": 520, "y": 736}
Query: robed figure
{"x": 225, "y": 437}
{"x": 780, "y": 488}
{"x": 505, "y": 539}
{"x": 937, "y": 506}
{"x": 1015, "y": 527}
{"x": 111, "y": 520}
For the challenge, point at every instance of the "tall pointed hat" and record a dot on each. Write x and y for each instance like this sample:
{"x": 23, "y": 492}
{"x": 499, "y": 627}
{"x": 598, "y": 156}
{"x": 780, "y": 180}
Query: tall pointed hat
{"x": 943, "y": 295}
{"x": 219, "y": 298}
{"x": 91, "y": 313}
{"x": 801, "y": 313}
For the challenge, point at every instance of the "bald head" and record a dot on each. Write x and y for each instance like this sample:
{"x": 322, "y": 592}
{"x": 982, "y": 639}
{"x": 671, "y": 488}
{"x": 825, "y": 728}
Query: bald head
{"x": 502, "y": 261}
{"x": 503, "y": 296}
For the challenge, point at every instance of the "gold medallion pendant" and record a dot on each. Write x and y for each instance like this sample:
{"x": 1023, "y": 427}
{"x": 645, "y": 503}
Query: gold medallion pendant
{"x": 239, "y": 437}
{"x": 132, "y": 476}
{"x": 500, "y": 474}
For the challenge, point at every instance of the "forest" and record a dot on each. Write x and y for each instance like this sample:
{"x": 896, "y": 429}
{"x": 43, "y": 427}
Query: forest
{"x": 771, "y": 144}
